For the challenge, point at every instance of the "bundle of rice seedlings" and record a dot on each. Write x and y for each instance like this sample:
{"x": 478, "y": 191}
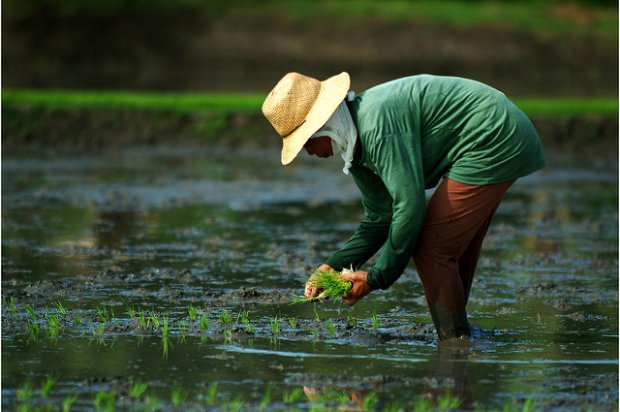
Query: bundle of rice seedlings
{"x": 331, "y": 282}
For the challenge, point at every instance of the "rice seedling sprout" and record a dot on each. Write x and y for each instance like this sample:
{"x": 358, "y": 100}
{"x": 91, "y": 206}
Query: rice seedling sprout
{"x": 142, "y": 321}
{"x": 33, "y": 331}
{"x": 61, "y": 308}
{"x": 25, "y": 391}
{"x": 292, "y": 322}
{"x": 10, "y": 304}
{"x": 225, "y": 317}
{"x": 274, "y": 324}
{"x": 375, "y": 320}
{"x": 332, "y": 284}
{"x": 103, "y": 315}
{"x": 30, "y": 311}
{"x": 370, "y": 402}
{"x": 131, "y": 312}
{"x": 447, "y": 402}
{"x": 245, "y": 320}
{"x": 204, "y": 321}
{"x": 137, "y": 389}
{"x": 53, "y": 323}
{"x": 292, "y": 396}
{"x": 234, "y": 405}
{"x": 192, "y": 313}
{"x": 266, "y": 399}
{"x": 211, "y": 393}
{"x": 68, "y": 402}
{"x": 331, "y": 329}
{"x": 155, "y": 320}
{"x": 178, "y": 396}
{"x": 47, "y": 385}
{"x": 104, "y": 401}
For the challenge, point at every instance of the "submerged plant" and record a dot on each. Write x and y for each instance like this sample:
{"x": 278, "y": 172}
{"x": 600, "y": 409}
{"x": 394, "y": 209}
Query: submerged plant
{"x": 332, "y": 284}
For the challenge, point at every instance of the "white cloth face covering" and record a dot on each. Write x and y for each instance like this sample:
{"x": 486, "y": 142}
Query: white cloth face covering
{"x": 341, "y": 129}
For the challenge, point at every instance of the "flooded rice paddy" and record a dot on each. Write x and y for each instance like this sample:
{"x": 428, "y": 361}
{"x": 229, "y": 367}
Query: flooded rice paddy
{"x": 161, "y": 279}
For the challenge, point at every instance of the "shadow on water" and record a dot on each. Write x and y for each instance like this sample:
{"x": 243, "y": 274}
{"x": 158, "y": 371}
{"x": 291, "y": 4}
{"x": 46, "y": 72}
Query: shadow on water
{"x": 161, "y": 278}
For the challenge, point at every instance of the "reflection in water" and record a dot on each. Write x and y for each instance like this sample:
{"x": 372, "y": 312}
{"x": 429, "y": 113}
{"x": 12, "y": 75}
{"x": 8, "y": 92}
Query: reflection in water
{"x": 448, "y": 375}
{"x": 446, "y": 385}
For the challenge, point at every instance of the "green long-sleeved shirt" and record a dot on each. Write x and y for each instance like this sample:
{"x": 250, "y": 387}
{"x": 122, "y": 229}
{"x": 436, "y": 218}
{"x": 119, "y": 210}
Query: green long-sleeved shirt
{"x": 412, "y": 132}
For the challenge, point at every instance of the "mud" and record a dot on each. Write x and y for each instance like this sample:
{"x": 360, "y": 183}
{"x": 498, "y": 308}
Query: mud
{"x": 175, "y": 268}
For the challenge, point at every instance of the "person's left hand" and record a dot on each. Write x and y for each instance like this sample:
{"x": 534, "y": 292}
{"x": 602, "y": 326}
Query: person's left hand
{"x": 360, "y": 287}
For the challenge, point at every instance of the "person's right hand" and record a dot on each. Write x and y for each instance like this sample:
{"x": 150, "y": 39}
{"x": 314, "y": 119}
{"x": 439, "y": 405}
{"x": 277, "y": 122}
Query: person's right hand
{"x": 311, "y": 291}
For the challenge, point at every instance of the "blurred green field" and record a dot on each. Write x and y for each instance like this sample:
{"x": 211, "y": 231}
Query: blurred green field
{"x": 251, "y": 102}
{"x": 540, "y": 15}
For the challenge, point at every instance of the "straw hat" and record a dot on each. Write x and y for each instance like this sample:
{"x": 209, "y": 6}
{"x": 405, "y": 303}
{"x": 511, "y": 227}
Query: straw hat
{"x": 300, "y": 105}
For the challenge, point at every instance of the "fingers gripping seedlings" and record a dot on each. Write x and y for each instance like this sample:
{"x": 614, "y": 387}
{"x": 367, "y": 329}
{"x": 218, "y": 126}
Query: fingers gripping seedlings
{"x": 332, "y": 284}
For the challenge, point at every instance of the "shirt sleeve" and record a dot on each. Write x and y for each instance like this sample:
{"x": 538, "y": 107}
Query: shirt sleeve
{"x": 374, "y": 227}
{"x": 398, "y": 162}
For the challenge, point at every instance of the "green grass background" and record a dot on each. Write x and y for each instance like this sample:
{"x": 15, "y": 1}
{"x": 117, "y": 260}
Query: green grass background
{"x": 251, "y": 102}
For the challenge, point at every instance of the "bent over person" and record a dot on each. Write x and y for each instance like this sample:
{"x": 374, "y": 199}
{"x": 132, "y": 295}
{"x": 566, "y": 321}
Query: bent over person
{"x": 398, "y": 139}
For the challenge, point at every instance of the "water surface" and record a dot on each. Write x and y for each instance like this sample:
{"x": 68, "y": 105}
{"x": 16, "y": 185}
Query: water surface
{"x": 91, "y": 242}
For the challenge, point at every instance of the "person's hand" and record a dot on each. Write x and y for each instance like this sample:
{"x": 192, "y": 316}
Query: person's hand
{"x": 360, "y": 287}
{"x": 310, "y": 291}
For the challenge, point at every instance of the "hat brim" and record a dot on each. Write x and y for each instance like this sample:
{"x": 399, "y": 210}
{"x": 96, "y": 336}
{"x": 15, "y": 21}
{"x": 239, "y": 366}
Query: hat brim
{"x": 332, "y": 93}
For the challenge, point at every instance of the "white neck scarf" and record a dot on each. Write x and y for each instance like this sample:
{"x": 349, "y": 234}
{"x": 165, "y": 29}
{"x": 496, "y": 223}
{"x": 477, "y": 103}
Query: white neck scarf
{"x": 341, "y": 129}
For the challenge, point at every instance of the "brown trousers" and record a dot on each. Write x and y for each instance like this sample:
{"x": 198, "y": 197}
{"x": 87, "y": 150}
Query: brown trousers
{"x": 456, "y": 221}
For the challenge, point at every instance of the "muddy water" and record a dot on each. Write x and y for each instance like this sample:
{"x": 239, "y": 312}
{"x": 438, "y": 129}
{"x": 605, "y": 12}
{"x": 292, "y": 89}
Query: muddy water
{"x": 174, "y": 268}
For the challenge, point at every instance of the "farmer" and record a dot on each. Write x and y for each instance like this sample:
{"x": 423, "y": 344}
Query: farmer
{"x": 398, "y": 139}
